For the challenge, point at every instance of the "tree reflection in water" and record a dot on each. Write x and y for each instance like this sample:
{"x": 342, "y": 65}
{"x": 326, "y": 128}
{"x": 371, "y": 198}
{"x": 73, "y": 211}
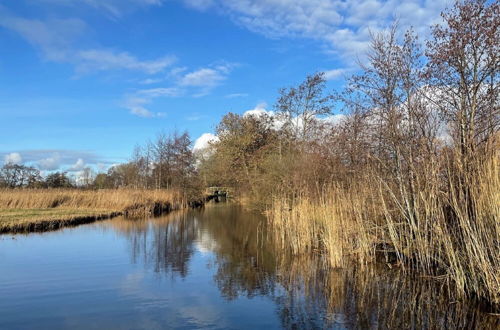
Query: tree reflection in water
{"x": 164, "y": 244}
{"x": 307, "y": 294}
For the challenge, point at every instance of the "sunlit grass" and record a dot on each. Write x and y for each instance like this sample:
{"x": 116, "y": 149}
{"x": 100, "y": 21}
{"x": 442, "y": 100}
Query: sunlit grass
{"x": 39, "y": 209}
{"x": 12, "y": 216}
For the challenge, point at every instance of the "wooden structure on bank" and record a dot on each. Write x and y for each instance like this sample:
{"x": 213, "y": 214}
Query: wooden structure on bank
{"x": 218, "y": 194}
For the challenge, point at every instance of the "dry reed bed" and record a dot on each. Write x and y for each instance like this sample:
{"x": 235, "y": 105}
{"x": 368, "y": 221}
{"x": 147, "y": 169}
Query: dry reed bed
{"x": 55, "y": 208}
{"x": 434, "y": 230}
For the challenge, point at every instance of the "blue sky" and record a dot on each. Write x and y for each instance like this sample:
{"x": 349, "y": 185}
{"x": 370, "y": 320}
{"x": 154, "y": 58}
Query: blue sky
{"x": 83, "y": 81}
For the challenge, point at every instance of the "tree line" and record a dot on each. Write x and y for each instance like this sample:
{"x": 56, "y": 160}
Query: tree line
{"x": 167, "y": 162}
{"x": 164, "y": 163}
{"x": 411, "y": 108}
{"x": 22, "y": 176}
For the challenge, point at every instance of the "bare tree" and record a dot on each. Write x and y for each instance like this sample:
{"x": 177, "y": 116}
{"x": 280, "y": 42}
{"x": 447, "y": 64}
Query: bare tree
{"x": 299, "y": 107}
{"x": 463, "y": 67}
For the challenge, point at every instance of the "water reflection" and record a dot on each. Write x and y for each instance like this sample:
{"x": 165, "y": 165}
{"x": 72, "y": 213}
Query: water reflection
{"x": 165, "y": 244}
{"x": 307, "y": 294}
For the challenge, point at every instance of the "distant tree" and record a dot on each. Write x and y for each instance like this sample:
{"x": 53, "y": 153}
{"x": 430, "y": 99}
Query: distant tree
{"x": 101, "y": 181}
{"x": 14, "y": 175}
{"x": 87, "y": 177}
{"x": 123, "y": 175}
{"x": 244, "y": 143}
{"x": 169, "y": 160}
{"x": 58, "y": 180}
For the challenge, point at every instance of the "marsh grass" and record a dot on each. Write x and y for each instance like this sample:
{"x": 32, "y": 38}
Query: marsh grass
{"x": 339, "y": 222}
{"x": 42, "y": 209}
{"x": 447, "y": 228}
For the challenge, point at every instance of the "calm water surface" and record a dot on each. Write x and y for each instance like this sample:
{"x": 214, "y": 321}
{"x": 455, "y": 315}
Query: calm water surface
{"x": 214, "y": 269}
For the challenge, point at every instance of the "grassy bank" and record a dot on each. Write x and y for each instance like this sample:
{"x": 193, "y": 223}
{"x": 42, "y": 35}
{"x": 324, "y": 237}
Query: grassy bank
{"x": 25, "y": 210}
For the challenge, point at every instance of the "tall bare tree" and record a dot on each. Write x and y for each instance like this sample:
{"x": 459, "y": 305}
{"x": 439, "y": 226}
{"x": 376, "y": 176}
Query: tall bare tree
{"x": 464, "y": 70}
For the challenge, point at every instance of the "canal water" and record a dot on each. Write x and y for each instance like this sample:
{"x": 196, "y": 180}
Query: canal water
{"x": 213, "y": 268}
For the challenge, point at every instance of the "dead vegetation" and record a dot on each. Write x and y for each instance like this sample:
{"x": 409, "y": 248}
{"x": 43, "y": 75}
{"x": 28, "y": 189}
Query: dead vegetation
{"x": 41, "y": 209}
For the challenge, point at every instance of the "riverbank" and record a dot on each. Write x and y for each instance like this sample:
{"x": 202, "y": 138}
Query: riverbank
{"x": 35, "y": 210}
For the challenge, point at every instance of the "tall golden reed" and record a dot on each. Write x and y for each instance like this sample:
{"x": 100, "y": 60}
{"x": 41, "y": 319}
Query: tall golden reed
{"x": 448, "y": 228}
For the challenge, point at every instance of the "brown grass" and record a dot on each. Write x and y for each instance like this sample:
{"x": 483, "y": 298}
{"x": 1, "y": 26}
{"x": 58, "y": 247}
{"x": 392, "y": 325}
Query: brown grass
{"x": 38, "y": 209}
{"x": 339, "y": 223}
{"x": 449, "y": 229}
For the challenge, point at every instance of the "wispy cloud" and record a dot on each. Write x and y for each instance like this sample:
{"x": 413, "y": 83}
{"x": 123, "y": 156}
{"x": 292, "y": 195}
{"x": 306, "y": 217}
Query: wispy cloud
{"x": 77, "y": 166}
{"x": 342, "y": 25}
{"x": 112, "y": 8}
{"x": 195, "y": 83}
{"x": 52, "y": 37}
{"x": 57, "y": 40}
{"x": 202, "y": 78}
{"x": 137, "y": 102}
{"x": 159, "y": 92}
{"x": 205, "y": 79}
{"x": 136, "y": 106}
{"x": 235, "y": 95}
{"x": 150, "y": 81}
{"x": 334, "y": 74}
{"x": 103, "y": 60}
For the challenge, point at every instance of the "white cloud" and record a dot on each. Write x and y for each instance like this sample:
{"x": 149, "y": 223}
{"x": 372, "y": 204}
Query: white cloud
{"x": 334, "y": 119}
{"x": 50, "y": 163}
{"x": 204, "y": 79}
{"x": 259, "y": 110}
{"x": 78, "y": 166}
{"x": 199, "y": 83}
{"x": 334, "y": 74}
{"x": 102, "y": 60}
{"x": 343, "y": 25}
{"x": 13, "y": 158}
{"x": 49, "y": 157}
{"x": 203, "y": 141}
{"x": 141, "y": 112}
{"x": 136, "y": 106}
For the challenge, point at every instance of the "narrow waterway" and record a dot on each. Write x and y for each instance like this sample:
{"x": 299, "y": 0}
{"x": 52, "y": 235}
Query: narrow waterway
{"x": 213, "y": 268}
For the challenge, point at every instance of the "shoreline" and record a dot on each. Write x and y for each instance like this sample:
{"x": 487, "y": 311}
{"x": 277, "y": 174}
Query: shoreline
{"x": 33, "y": 210}
{"x": 39, "y": 226}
